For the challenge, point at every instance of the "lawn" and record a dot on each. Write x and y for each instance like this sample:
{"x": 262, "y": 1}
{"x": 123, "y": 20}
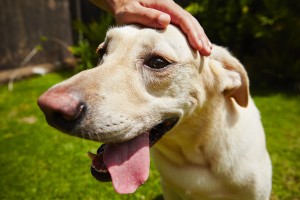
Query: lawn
{"x": 38, "y": 162}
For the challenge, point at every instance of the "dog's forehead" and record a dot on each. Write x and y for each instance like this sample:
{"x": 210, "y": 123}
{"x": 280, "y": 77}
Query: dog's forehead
{"x": 170, "y": 40}
{"x": 134, "y": 29}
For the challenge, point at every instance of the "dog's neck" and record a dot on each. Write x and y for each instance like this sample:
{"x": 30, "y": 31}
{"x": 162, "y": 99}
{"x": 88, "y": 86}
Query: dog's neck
{"x": 196, "y": 132}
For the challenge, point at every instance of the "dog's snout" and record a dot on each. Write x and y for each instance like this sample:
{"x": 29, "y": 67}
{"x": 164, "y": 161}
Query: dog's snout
{"x": 60, "y": 107}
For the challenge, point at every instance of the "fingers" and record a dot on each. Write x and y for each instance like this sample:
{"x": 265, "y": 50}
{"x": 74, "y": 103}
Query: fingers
{"x": 135, "y": 13}
{"x": 160, "y": 13}
{"x": 198, "y": 38}
{"x": 196, "y": 35}
{"x": 188, "y": 24}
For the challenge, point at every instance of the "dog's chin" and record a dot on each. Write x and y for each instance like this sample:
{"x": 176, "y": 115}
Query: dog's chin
{"x": 98, "y": 168}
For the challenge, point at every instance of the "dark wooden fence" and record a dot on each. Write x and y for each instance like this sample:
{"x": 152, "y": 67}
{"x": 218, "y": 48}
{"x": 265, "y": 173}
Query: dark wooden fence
{"x": 39, "y": 31}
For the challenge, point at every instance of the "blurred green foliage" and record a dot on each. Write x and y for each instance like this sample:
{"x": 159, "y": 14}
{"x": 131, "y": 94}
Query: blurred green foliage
{"x": 90, "y": 36}
{"x": 264, "y": 35}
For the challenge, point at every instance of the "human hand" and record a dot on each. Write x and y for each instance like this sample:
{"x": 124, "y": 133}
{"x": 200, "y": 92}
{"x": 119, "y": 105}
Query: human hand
{"x": 158, "y": 14}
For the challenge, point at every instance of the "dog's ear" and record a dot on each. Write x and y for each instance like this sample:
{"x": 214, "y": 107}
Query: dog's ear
{"x": 235, "y": 81}
{"x": 101, "y": 49}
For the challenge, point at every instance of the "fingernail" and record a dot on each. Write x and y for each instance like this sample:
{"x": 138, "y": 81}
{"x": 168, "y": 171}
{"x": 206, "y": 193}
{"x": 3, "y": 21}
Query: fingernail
{"x": 200, "y": 44}
{"x": 164, "y": 19}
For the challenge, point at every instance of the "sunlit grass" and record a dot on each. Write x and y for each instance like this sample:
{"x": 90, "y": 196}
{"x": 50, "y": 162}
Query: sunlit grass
{"x": 38, "y": 162}
{"x": 281, "y": 119}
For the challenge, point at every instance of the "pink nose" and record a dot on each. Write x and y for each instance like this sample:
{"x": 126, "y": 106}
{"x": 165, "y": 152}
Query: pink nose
{"x": 60, "y": 107}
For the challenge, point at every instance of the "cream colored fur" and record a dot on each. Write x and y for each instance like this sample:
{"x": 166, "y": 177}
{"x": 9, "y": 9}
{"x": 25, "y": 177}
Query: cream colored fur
{"x": 216, "y": 151}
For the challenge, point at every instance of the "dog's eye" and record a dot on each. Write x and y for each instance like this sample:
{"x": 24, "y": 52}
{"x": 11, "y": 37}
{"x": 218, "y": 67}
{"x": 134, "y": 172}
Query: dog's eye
{"x": 157, "y": 62}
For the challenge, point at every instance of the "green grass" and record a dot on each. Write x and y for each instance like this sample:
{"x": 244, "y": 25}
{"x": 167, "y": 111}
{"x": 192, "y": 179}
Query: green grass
{"x": 38, "y": 162}
{"x": 281, "y": 120}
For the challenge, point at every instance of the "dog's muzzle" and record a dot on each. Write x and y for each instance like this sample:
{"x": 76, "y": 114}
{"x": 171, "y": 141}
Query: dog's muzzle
{"x": 65, "y": 111}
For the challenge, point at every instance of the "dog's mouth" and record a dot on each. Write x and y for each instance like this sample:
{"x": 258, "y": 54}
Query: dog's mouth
{"x": 126, "y": 164}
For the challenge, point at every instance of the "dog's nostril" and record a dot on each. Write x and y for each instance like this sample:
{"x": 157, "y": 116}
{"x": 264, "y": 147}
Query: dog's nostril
{"x": 60, "y": 106}
{"x": 72, "y": 113}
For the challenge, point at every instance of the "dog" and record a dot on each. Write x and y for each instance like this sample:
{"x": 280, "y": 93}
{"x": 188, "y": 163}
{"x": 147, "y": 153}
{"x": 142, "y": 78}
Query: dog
{"x": 151, "y": 89}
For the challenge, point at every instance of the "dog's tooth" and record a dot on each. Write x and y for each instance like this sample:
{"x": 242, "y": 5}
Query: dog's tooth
{"x": 91, "y": 155}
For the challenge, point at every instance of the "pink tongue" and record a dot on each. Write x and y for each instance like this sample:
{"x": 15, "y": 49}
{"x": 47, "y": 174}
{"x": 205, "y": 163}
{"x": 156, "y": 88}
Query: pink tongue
{"x": 128, "y": 163}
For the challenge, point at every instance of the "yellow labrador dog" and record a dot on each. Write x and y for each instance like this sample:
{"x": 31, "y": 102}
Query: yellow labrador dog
{"x": 150, "y": 89}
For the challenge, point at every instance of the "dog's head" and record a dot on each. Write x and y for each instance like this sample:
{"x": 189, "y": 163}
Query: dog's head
{"x": 146, "y": 80}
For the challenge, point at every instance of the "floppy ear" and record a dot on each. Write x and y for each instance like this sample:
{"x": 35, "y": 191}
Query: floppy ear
{"x": 235, "y": 81}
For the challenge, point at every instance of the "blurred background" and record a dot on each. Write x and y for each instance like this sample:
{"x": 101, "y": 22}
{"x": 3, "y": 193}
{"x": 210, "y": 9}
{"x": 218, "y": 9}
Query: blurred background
{"x": 264, "y": 35}
{"x": 46, "y": 41}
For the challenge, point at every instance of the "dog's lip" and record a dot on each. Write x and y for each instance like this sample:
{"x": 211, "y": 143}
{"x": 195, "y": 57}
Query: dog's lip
{"x": 98, "y": 168}
{"x": 160, "y": 129}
